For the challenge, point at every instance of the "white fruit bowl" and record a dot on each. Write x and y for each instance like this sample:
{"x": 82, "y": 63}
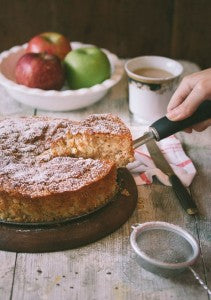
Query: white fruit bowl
{"x": 63, "y": 100}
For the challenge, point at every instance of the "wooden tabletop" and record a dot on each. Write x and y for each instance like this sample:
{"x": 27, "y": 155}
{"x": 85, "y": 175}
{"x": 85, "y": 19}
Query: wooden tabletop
{"x": 107, "y": 269}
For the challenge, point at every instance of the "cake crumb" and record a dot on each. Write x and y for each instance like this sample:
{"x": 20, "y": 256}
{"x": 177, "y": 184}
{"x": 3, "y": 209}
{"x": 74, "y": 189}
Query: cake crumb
{"x": 125, "y": 192}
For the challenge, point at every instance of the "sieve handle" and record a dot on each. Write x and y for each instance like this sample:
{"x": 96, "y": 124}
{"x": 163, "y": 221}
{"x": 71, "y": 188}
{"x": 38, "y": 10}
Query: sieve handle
{"x": 202, "y": 283}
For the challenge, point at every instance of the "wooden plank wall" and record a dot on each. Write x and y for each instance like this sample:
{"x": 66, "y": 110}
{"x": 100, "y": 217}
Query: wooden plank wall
{"x": 175, "y": 28}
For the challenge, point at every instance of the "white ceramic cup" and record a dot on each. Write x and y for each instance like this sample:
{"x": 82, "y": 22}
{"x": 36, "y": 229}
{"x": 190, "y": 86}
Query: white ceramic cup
{"x": 149, "y": 97}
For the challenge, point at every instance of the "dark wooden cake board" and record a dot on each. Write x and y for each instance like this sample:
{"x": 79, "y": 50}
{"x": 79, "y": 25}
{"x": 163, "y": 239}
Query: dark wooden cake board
{"x": 76, "y": 233}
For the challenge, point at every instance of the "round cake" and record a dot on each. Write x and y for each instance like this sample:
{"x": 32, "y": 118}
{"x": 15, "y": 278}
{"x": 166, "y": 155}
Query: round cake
{"x": 48, "y": 171}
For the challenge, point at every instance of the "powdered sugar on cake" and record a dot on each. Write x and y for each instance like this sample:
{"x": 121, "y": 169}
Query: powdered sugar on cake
{"x": 60, "y": 174}
{"x": 23, "y": 141}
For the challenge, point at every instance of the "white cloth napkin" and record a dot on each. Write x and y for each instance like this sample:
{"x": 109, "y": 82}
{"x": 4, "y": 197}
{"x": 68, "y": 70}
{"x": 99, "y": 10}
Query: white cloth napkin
{"x": 143, "y": 168}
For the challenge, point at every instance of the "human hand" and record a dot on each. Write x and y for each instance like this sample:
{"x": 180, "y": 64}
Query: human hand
{"x": 192, "y": 91}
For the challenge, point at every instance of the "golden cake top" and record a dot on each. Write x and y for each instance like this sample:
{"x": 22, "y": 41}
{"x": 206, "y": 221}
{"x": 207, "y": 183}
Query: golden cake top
{"x": 24, "y": 139}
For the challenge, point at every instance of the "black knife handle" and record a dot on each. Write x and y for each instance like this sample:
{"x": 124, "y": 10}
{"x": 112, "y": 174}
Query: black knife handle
{"x": 183, "y": 195}
{"x": 164, "y": 127}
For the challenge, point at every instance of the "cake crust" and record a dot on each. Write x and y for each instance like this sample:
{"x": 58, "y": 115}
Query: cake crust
{"x": 31, "y": 203}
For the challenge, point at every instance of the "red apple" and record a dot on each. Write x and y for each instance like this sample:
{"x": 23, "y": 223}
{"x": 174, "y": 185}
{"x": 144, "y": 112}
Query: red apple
{"x": 40, "y": 70}
{"x": 50, "y": 42}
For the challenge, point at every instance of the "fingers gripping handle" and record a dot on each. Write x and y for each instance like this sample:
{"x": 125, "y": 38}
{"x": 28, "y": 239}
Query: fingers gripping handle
{"x": 164, "y": 127}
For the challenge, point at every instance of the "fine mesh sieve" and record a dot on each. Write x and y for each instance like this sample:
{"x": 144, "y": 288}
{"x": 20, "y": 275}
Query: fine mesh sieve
{"x": 165, "y": 249}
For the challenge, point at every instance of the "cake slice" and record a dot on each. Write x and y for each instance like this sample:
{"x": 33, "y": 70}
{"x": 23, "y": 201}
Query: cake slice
{"x": 100, "y": 136}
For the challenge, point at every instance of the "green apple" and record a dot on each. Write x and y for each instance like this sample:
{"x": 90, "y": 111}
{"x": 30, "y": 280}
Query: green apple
{"x": 86, "y": 67}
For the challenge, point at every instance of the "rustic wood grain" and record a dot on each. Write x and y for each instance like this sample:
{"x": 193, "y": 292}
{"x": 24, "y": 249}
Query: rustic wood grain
{"x": 178, "y": 28}
{"x": 108, "y": 269}
{"x": 7, "y": 269}
{"x": 121, "y": 26}
{"x": 105, "y": 270}
{"x": 191, "y": 29}
{"x": 200, "y": 151}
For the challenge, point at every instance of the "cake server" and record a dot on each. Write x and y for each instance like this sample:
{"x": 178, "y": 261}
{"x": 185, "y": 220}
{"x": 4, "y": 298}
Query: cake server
{"x": 163, "y": 127}
{"x": 180, "y": 190}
